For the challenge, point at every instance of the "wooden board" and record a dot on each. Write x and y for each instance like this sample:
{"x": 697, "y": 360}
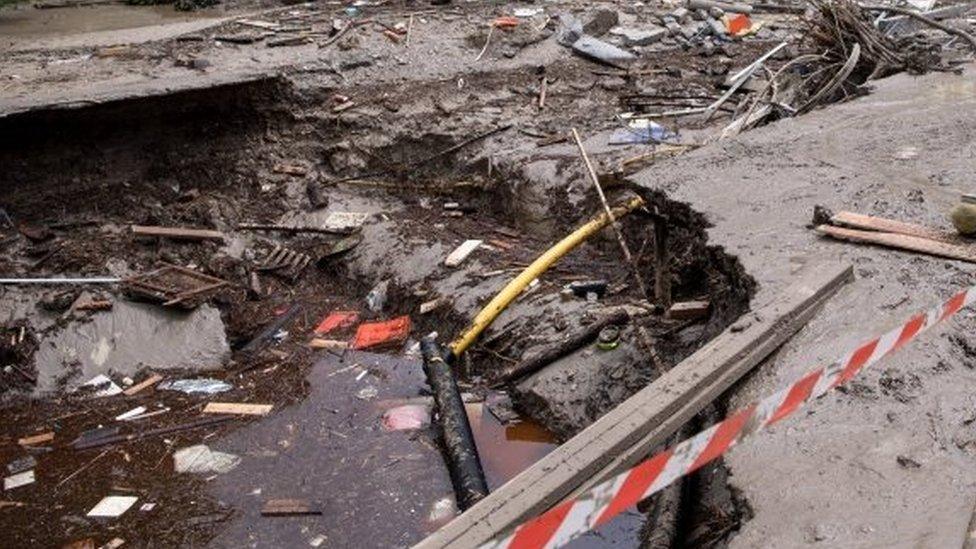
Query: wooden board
{"x": 881, "y": 224}
{"x": 237, "y": 408}
{"x": 690, "y": 384}
{"x": 177, "y": 233}
{"x": 462, "y": 252}
{"x": 36, "y": 439}
{"x": 289, "y": 508}
{"x": 904, "y": 242}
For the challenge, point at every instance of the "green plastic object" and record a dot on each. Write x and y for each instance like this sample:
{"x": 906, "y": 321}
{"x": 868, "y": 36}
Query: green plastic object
{"x": 608, "y": 339}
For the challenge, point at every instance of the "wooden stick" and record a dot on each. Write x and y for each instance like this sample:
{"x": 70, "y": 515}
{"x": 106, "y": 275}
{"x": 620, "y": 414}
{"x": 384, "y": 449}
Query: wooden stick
{"x": 606, "y": 208}
{"x": 662, "y": 263}
{"x": 290, "y": 229}
{"x": 558, "y": 350}
{"x": 487, "y": 41}
{"x": 177, "y": 233}
{"x": 542, "y": 92}
{"x": 143, "y": 385}
{"x": 406, "y": 41}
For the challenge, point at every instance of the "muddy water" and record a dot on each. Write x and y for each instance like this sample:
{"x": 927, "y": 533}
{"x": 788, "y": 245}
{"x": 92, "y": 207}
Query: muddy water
{"x": 333, "y": 449}
{"x": 507, "y": 450}
{"x": 129, "y": 337}
{"x": 376, "y": 488}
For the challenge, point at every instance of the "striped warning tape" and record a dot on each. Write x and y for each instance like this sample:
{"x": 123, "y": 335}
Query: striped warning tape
{"x": 604, "y": 501}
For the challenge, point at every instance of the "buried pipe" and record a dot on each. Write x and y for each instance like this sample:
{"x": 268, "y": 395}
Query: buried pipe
{"x": 508, "y": 294}
{"x": 460, "y": 451}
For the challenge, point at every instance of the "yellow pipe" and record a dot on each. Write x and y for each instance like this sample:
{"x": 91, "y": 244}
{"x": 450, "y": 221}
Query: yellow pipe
{"x": 539, "y": 266}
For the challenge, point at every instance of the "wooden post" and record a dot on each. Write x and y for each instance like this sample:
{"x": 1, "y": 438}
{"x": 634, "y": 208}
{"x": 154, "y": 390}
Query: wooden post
{"x": 662, "y": 263}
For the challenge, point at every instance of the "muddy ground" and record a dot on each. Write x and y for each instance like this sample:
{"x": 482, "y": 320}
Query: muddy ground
{"x": 179, "y": 123}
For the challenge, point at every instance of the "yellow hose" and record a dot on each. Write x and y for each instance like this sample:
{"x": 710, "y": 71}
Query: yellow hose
{"x": 539, "y": 266}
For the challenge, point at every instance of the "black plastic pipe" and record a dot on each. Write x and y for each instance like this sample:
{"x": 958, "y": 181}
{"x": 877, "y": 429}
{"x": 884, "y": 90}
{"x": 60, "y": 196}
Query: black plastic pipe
{"x": 460, "y": 451}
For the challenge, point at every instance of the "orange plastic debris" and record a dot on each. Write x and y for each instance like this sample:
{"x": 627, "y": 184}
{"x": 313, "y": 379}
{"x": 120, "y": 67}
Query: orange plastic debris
{"x": 374, "y": 334}
{"x": 505, "y": 22}
{"x": 336, "y": 320}
{"x": 738, "y": 24}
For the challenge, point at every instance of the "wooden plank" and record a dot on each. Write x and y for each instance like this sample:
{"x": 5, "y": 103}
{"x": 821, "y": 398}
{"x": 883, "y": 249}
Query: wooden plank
{"x": 177, "y": 233}
{"x": 237, "y": 408}
{"x": 36, "y": 439}
{"x": 689, "y": 310}
{"x": 143, "y": 385}
{"x": 881, "y": 224}
{"x": 903, "y": 242}
{"x": 462, "y": 252}
{"x": 555, "y": 476}
{"x": 289, "y": 508}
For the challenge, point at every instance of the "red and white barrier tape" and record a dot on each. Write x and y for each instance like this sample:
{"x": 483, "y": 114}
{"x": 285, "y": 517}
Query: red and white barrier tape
{"x": 604, "y": 501}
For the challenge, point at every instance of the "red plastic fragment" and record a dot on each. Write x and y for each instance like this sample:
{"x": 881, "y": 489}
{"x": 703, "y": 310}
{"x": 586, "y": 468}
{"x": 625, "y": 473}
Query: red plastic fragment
{"x": 336, "y": 320}
{"x": 373, "y": 334}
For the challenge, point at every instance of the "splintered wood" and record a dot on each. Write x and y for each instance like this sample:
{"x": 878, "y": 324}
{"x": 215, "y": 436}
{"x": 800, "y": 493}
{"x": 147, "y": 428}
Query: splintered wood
{"x": 173, "y": 286}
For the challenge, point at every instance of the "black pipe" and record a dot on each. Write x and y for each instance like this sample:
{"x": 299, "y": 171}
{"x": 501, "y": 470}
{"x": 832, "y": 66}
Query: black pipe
{"x": 460, "y": 451}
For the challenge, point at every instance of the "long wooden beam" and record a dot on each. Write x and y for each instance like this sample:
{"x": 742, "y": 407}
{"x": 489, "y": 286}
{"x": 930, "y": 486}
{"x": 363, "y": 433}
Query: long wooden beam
{"x": 885, "y": 225}
{"x": 673, "y": 396}
{"x": 962, "y": 252}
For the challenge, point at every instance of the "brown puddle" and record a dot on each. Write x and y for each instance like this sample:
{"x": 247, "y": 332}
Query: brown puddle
{"x": 507, "y": 450}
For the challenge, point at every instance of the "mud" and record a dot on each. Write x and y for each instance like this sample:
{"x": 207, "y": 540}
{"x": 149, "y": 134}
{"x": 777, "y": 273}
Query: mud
{"x": 833, "y": 472}
{"x": 180, "y": 128}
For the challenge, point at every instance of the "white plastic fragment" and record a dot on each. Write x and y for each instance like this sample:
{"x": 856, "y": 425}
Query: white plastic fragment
{"x": 127, "y": 416}
{"x": 110, "y": 387}
{"x": 201, "y": 459}
{"x": 18, "y": 480}
{"x": 205, "y": 385}
{"x": 345, "y": 221}
{"x": 112, "y": 506}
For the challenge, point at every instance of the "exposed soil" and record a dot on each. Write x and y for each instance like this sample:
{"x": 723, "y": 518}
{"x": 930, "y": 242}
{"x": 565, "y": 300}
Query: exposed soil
{"x": 208, "y": 159}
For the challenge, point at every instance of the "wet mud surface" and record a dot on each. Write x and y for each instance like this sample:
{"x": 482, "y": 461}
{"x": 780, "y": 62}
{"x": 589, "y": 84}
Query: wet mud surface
{"x": 432, "y": 150}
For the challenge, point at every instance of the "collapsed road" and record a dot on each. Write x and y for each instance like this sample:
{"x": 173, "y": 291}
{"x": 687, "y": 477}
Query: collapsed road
{"x": 226, "y": 233}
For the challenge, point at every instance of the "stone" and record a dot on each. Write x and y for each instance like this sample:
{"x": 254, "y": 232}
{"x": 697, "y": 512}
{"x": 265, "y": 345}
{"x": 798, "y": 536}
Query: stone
{"x": 717, "y": 27}
{"x": 681, "y": 15}
{"x": 601, "y": 23}
{"x": 596, "y": 49}
{"x": 640, "y": 37}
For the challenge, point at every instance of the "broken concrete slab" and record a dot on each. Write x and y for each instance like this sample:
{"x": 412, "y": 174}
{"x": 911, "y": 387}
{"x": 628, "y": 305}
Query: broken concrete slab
{"x": 598, "y": 50}
{"x": 639, "y": 36}
{"x": 129, "y": 335}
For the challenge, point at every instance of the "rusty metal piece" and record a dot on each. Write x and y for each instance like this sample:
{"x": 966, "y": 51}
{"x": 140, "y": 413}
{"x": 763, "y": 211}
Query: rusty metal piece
{"x": 285, "y": 261}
